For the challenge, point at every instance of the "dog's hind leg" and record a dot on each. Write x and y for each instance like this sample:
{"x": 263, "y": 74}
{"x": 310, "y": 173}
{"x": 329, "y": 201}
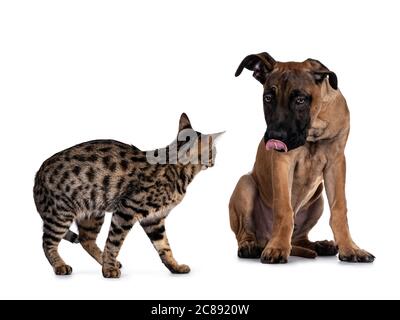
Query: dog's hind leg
{"x": 241, "y": 207}
{"x": 303, "y": 252}
{"x": 304, "y": 222}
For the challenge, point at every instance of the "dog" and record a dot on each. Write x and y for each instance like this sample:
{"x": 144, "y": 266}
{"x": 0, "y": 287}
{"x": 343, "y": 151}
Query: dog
{"x": 273, "y": 208}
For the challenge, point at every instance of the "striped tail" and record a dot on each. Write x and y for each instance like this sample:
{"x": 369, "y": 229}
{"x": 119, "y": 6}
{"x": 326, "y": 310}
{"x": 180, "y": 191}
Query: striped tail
{"x": 71, "y": 237}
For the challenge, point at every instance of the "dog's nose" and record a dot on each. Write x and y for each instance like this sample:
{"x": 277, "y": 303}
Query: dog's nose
{"x": 278, "y": 135}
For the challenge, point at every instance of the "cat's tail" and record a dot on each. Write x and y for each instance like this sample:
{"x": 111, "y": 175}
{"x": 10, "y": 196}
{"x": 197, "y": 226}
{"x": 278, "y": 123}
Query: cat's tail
{"x": 71, "y": 237}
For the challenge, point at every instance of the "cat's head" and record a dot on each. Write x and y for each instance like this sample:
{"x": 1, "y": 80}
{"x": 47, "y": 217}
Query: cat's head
{"x": 193, "y": 146}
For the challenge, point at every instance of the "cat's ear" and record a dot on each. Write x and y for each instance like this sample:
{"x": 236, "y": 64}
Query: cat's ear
{"x": 208, "y": 140}
{"x": 216, "y": 136}
{"x": 184, "y": 122}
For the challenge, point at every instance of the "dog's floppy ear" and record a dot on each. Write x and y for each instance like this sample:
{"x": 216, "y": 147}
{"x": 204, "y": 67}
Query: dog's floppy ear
{"x": 261, "y": 64}
{"x": 320, "y": 72}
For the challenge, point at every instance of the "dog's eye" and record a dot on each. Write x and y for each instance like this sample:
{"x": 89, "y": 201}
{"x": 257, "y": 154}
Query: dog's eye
{"x": 300, "y": 100}
{"x": 268, "y": 98}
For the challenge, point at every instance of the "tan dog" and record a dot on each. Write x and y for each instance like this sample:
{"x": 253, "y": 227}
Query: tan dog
{"x": 273, "y": 208}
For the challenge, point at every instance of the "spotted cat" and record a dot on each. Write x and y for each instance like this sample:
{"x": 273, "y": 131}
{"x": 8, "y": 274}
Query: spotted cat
{"x": 83, "y": 182}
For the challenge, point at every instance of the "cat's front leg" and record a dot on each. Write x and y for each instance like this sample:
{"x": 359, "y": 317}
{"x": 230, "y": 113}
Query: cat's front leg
{"x": 155, "y": 230}
{"x": 121, "y": 223}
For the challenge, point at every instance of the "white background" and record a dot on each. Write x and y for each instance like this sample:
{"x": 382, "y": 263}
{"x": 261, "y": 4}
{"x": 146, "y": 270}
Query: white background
{"x": 72, "y": 71}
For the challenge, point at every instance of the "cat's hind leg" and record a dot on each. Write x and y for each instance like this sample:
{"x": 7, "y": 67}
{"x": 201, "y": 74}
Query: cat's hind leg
{"x": 55, "y": 227}
{"x": 89, "y": 228}
{"x": 155, "y": 230}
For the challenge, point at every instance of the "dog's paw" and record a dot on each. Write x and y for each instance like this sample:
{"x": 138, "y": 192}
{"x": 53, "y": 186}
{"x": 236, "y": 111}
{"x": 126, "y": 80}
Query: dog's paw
{"x": 355, "y": 255}
{"x": 273, "y": 255}
{"x": 326, "y": 248}
{"x": 249, "y": 250}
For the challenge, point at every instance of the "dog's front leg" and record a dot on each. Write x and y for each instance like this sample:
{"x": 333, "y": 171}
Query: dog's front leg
{"x": 278, "y": 247}
{"x": 334, "y": 178}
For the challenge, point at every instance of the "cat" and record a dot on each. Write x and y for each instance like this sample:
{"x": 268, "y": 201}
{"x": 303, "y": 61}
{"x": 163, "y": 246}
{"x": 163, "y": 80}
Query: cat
{"x": 83, "y": 182}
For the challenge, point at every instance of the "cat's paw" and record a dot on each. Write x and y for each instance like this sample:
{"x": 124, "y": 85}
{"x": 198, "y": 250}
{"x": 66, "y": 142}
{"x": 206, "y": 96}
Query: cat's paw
{"x": 111, "y": 272}
{"x": 63, "y": 270}
{"x": 119, "y": 264}
{"x": 180, "y": 269}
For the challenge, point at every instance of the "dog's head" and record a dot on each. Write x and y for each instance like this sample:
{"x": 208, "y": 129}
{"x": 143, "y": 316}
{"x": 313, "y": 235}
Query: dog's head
{"x": 291, "y": 94}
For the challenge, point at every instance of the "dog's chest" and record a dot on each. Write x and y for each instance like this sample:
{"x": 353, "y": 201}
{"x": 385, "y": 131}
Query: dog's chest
{"x": 307, "y": 176}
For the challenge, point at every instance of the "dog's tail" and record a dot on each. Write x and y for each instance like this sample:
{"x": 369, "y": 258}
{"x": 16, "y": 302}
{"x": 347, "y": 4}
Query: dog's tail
{"x": 71, "y": 237}
{"x": 303, "y": 252}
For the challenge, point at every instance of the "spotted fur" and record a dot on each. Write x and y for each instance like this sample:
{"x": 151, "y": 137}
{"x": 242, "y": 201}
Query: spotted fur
{"x": 83, "y": 182}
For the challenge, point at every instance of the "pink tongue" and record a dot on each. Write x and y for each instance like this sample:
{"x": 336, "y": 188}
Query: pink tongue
{"x": 273, "y": 144}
